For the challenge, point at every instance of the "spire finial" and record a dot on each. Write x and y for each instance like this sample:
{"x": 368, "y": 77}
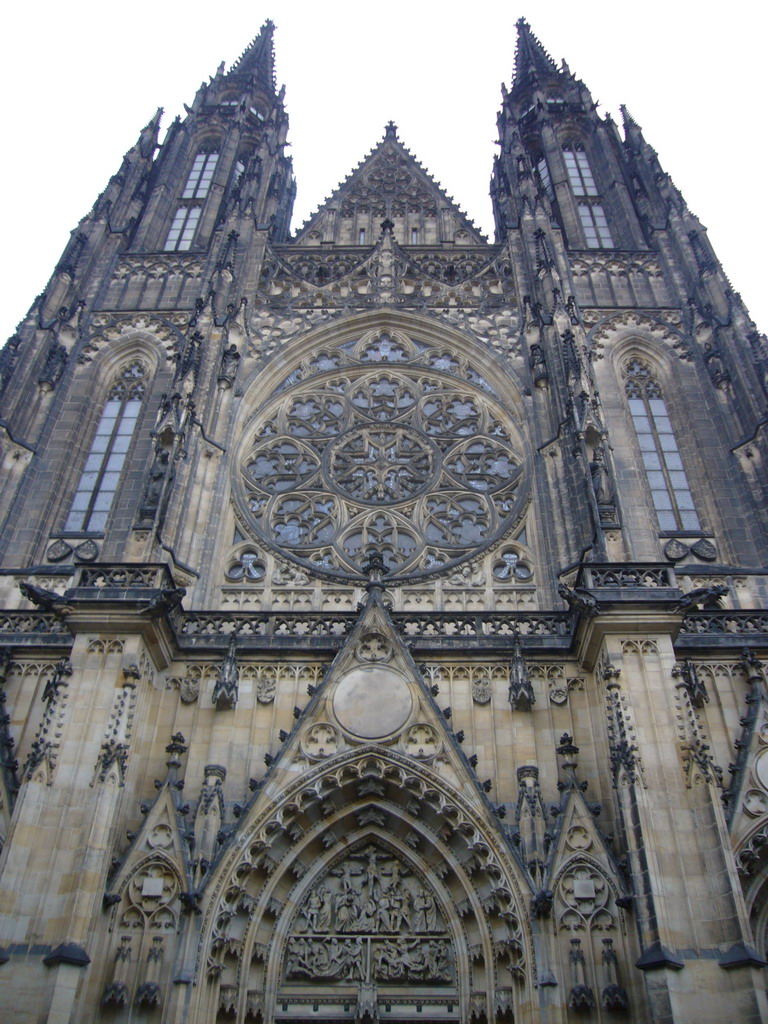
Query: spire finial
{"x": 390, "y": 131}
{"x": 530, "y": 55}
{"x": 258, "y": 59}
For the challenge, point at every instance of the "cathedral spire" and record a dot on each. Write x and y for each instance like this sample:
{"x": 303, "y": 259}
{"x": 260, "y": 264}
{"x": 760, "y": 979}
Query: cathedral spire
{"x": 530, "y": 55}
{"x": 633, "y": 133}
{"x": 258, "y": 59}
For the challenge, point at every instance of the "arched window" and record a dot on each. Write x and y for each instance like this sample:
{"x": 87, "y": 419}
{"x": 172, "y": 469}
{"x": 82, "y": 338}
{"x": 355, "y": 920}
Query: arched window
{"x": 671, "y": 493}
{"x": 187, "y": 214}
{"x": 594, "y": 223}
{"x": 545, "y": 178}
{"x": 199, "y": 180}
{"x": 103, "y": 467}
{"x": 579, "y": 172}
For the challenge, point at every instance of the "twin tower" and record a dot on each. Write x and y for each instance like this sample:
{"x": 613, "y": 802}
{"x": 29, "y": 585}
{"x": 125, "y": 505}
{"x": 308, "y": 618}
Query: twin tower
{"x": 383, "y": 607}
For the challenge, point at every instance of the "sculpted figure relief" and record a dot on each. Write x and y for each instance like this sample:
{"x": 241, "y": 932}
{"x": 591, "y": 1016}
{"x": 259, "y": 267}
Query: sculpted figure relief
{"x": 370, "y": 918}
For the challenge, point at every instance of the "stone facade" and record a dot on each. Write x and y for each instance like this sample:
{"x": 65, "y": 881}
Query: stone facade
{"x": 384, "y": 608}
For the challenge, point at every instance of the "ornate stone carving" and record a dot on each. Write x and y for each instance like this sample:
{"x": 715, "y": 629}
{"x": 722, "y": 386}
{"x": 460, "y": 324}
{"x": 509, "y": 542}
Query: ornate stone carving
{"x": 370, "y": 918}
{"x": 423, "y": 469}
{"x": 521, "y": 695}
{"x": 43, "y": 754}
{"x": 421, "y": 741}
{"x": 225, "y": 691}
{"x": 482, "y": 689}
{"x": 320, "y": 740}
{"x": 374, "y": 647}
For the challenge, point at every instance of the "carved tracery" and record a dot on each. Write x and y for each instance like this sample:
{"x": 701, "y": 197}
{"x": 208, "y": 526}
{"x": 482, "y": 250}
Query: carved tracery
{"x": 377, "y": 444}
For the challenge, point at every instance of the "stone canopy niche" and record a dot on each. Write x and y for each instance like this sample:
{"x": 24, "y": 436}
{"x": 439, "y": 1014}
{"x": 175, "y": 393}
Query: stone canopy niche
{"x": 370, "y": 920}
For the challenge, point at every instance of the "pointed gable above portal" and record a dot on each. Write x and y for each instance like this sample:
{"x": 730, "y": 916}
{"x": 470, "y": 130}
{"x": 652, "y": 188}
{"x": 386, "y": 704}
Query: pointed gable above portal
{"x": 389, "y": 185}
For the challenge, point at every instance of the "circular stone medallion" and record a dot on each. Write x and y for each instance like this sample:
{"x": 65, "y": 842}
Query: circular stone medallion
{"x": 372, "y": 702}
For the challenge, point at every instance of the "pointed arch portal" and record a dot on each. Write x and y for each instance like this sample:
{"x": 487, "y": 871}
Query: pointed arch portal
{"x": 369, "y": 887}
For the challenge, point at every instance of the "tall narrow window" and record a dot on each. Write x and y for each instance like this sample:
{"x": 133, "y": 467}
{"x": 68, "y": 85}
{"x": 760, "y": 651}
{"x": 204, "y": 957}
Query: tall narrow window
{"x": 596, "y": 230}
{"x": 103, "y": 467}
{"x": 544, "y": 177}
{"x": 199, "y": 180}
{"x": 182, "y": 231}
{"x": 579, "y": 172}
{"x": 672, "y": 497}
{"x": 187, "y": 214}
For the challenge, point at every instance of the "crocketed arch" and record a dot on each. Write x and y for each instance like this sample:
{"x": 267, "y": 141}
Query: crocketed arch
{"x": 752, "y": 863}
{"x": 293, "y": 356}
{"x": 371, "y": 801}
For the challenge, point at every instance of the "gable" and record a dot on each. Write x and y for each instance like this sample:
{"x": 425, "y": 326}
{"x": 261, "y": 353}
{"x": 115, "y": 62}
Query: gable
{"x": 389, "y": 185}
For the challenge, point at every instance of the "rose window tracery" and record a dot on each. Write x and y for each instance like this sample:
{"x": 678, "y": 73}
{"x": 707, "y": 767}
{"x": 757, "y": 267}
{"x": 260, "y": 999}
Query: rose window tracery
{"x": 378, "y": 444}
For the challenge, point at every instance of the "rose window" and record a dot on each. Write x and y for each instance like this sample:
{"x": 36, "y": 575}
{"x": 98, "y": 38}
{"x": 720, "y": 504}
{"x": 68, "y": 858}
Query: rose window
{"x": 380, "y": 466}
{"x": 417, "y": 460}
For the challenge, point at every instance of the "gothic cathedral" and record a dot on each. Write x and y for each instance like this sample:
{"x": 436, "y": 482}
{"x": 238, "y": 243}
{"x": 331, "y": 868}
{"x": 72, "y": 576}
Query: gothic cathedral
{"x": 385, "y": 610}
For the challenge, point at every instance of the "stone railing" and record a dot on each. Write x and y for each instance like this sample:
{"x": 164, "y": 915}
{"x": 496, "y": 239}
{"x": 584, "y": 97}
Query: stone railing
{"x": 31, "y": 628}
{"x": 450, "y": 630}
{"x": 746, "y": 625}
{"x": 124, "y": 576}
{"x": 627, "y": 576}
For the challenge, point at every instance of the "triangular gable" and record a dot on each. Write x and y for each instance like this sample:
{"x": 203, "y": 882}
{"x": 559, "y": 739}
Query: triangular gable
{"x": 388, "y": 185}
{"x": 374, "y": 693}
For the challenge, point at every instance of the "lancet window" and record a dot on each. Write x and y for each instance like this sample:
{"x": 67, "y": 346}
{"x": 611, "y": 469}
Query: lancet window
{"x": 182, "y": 231}
{"x": 100, "y": 477}
{"x": 663, "y": 465}
{"x": 199, "y": 180}
{"x": 595, "y": 226}
{"x": 579, "y": 172}
{"x": 545, "y": 178}
{"x": 594, "y": 223}
{"x": 187, "y": 214}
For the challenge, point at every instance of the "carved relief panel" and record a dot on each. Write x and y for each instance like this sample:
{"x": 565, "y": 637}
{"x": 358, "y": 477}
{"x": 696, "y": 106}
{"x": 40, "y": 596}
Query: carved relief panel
{"x": 370, "y": 918}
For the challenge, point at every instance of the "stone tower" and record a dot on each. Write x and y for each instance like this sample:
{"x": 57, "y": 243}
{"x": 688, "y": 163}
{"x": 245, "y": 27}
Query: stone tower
{"x": 384, "y": 607}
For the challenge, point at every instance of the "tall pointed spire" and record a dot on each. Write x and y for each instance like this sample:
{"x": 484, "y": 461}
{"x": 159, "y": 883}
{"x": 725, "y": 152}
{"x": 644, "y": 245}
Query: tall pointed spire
{"x": 530, "y": 55}
{"x": 258, "y": 59}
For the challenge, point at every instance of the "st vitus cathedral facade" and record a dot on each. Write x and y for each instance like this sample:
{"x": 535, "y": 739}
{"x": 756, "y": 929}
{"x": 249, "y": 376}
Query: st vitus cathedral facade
{"x": 385, "y": 609}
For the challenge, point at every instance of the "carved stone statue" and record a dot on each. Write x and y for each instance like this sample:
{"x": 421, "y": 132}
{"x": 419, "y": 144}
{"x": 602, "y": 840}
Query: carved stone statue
{"x": 601, "y": 478}
{"x": 521, "y": 695}
{"x": 226, "y": 688}
{"x": 230, "y": 359}
{"x": 55, "y": 362}
{"x": 424, "y": 912}
{"x": 155, "y": 481}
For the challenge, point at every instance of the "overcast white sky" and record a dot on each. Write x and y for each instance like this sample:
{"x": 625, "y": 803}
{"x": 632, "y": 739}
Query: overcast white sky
{"x": 81, "y": 78}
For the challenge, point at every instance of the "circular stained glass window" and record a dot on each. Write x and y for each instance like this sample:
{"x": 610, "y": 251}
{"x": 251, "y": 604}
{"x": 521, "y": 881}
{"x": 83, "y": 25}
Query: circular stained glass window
{"x": 406, "y": 459}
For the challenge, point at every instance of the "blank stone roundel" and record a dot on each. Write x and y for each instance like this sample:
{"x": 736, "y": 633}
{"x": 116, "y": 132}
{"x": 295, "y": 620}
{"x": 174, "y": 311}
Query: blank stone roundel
{"x": 372, "y": 702}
